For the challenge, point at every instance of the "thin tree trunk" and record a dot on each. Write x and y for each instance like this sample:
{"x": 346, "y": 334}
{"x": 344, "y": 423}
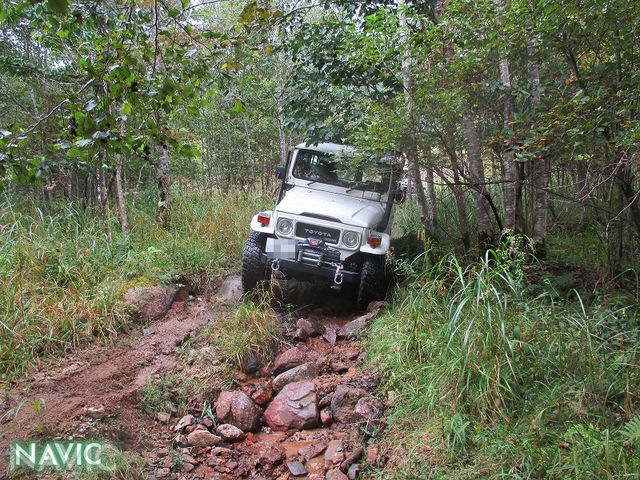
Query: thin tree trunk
{"x": 476, "y": 172}
{"x": 461, "y": 203}
{"x": 164, "y": 185}
{"x": 510, "y": 200}
{"x": 539, "y": 168}
{"x": 412, "y": 148}
{"x": 432, "y": 218}
{"x": 122, "y": 208}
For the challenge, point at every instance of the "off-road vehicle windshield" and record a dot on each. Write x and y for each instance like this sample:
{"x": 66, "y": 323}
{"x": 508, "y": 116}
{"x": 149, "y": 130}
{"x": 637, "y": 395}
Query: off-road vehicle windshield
{"x": 340, "y": 171}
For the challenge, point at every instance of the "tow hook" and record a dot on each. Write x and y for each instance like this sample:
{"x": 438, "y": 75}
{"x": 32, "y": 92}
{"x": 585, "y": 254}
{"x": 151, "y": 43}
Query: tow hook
{"x": 275, "y": 265}
{"x": 337, "y": 278}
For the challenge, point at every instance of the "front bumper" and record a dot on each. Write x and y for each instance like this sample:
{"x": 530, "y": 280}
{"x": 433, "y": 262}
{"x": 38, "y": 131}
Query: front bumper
{"x": 313, "y": 258}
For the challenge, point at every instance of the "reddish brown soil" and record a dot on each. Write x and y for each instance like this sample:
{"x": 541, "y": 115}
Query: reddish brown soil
{"x": 108, "y": 377}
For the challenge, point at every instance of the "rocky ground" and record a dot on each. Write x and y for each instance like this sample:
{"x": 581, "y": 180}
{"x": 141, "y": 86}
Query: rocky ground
{"x": 309, "y": 413}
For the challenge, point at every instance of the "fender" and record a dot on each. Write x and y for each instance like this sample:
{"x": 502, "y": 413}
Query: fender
{"x": 258, "y": 227}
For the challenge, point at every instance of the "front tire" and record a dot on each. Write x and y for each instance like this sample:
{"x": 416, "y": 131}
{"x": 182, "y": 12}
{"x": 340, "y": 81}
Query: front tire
{"x": 372, "y": 281}
{"x": 253, "y": 270}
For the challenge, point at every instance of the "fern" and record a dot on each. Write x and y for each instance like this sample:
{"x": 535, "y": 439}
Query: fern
{"x": 631, "y": 431}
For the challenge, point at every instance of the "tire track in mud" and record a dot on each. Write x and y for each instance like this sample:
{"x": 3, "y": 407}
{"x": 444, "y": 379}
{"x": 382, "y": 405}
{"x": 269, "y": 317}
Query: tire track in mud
{"x": 99, "y": 381}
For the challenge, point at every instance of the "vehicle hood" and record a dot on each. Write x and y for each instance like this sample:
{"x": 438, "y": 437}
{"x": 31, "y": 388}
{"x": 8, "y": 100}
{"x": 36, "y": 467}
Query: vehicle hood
{"x": 349, "y": 210}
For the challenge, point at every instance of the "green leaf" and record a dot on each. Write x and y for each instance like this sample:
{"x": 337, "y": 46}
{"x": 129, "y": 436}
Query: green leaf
{"x": 74, "y": 153}
{"x": 249, "y": 13}
{"x": 174, "y": 12}
{"x": 238, "y": 107}
{"x": 126, "y": 108}
{"x": 57, "y": 6}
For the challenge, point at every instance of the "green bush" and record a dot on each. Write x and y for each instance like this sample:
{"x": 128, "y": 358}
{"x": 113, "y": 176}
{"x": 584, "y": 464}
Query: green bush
{"x": 507, "y": 379}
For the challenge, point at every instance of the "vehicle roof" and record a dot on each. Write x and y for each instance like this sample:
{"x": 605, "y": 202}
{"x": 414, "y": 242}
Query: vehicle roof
{"x": 328, "y": 147}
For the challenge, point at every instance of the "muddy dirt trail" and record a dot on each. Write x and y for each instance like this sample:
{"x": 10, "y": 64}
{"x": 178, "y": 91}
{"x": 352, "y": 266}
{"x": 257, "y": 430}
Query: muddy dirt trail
{"x": 308, "y": 414}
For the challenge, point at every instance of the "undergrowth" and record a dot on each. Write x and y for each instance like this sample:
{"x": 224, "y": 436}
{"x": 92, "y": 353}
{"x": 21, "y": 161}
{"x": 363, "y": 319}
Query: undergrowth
{"x": 63, "y": 272}
{"x": 248, "y": 335}
{"x": 498, "y": 378}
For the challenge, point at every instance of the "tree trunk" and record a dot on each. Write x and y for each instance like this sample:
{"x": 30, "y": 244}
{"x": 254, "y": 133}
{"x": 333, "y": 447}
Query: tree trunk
{"x": 476, "y": 172}
{"x": 122, "y": 208}
{"x": 431, "y": 199}
{"x": 164, "y": 186}
{"x": 412, "y": 148}
{"x": 510, "y": 200}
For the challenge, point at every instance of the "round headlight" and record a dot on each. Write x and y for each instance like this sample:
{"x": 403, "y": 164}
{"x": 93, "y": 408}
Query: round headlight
{"x": 284, "y": 226}
{"x": 350, "y": 239}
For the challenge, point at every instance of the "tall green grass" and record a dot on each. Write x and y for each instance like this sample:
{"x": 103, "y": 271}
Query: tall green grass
{"x": 62, "y": 273}
{"x": 508, "y": 379}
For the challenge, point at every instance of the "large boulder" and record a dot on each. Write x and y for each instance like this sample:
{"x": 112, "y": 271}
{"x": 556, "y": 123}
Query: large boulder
{"x": 292, "y": 358}
{"x": 150, "y": 302}
{"x": 306, "y": 371}
{"x": 237, "y": 409}
{"x": 294, "y": 408}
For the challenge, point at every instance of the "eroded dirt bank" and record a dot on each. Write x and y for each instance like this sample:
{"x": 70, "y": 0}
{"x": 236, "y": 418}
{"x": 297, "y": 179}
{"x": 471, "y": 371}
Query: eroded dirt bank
{"x": 308, "y": 414}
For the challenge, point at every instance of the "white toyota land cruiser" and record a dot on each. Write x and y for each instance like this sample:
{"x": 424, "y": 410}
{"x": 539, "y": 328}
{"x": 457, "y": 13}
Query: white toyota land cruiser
{"x": 332, "y": 221}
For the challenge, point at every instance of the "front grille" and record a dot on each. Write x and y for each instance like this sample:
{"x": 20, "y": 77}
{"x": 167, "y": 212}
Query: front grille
{"x": 306, "y": 230}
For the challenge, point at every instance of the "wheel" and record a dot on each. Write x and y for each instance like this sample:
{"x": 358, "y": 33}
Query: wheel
{"x": 253, "y": 270}
{"x": 372, "y": 281}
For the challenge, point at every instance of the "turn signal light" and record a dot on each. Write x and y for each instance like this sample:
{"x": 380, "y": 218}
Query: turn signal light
{"x": 374, "y": 240}
{"x": 264, "y": 219}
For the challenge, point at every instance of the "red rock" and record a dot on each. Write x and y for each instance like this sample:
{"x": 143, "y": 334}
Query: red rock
{"x": 351, "y": 354}
{"x": 326, "y": 400}
{"x": 335, "y": 474}
{"x": 313, "y": 450}
{"x": 306, "y": 371}
{"x": 296, "y": 468}
{"x": 239, "y": 410}
{"x": 230, "y": 433}
{"x": 330, "y": 336}
{"x": 334, "y": 455}
{"x": 187, "y": 467}
{"x": 292, "y": 358}
{"x": 183, "y": 422}
{"x": 202, "y": 438}
{"x": 271, "y": 457}
{"x": 310, "y": 326}
{"x": 339, "y": 367}
{"x": 295, "y": 407}
{"x": 343, "y": 404}
{"x": 372, "y": 455}
{"x": 325, "y": 417}
{"x": 163, "y": 472}
{"x": 207, "y": 422}
{"x": 354, "y": 471}
{"x": 263, "y": 394}
{"x": 352, "y": 458}
{"x": 366, "y": 408}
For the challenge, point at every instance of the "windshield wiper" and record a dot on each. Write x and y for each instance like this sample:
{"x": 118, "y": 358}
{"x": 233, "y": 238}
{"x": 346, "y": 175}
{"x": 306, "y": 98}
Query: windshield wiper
{"x": 356, "y": 186}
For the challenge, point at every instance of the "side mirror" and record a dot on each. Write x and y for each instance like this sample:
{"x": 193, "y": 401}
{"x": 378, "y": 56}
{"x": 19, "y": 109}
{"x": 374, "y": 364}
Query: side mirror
{"x": 281, "y": 172}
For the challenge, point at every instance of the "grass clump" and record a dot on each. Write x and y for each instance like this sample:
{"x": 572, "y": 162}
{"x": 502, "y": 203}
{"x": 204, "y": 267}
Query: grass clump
{"x": 63, "y": 272}
{"x": 500, "y": 381}
{"x": 248, "y": 335}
